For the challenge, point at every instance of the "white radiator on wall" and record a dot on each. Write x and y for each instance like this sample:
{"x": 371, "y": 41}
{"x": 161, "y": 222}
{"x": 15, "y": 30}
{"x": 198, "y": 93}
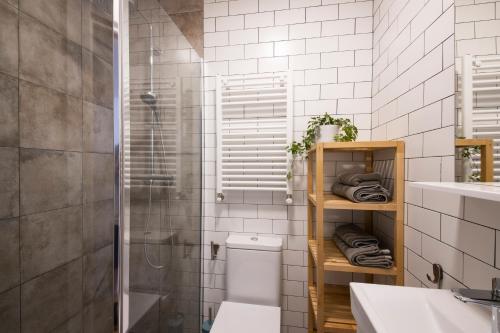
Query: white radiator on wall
{"x": 481, "y": 102}
{"x": 254, "y": 125}
{"x": 154, "y": 158}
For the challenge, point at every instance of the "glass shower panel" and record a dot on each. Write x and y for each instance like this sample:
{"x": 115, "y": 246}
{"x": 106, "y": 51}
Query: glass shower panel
{"x": 161, "y": 174}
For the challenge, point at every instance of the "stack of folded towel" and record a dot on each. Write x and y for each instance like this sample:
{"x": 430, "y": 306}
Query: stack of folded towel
{"x": 361, "y": 187}
{"x": 361, "y": 248}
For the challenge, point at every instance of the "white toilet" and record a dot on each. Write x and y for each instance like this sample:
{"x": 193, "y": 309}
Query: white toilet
{"x": 253, "y": 285}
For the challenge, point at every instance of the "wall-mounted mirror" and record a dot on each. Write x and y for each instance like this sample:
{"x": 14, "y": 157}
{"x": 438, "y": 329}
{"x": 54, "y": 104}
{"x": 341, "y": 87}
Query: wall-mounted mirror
{"x": 477, "y": 52}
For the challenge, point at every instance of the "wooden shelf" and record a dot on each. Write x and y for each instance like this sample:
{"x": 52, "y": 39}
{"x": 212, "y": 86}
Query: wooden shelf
{"x": 332, "y": 201}
{"x": 358, "y": 145}
{"x": 337, "y": 308}
{"x": 334, "y": 260}
{"x": 472, "y": 142}
{"x": 330, "y": 307}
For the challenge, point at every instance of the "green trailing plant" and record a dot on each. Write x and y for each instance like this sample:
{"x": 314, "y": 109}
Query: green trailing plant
{"x": 467, "y": 153}
{"x": 347, "y": 132}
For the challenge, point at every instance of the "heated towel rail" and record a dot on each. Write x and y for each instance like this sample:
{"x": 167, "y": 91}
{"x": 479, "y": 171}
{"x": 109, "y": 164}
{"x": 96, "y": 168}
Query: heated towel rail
{"x": 152, "y": 159}
{"x": 254, "y": 125}
{"x": 481, "y": 103}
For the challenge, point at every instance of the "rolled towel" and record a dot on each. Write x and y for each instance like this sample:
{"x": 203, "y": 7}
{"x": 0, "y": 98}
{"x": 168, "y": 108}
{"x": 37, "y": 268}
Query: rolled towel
{"x": 356, "y": 179}
{"x": 368, "y": 256}
{"x": 366, "y": 193}
{"x": 354, "y": 236}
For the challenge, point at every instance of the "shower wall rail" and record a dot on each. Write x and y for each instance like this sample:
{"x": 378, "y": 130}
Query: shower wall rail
{"x": 154, "y": 144}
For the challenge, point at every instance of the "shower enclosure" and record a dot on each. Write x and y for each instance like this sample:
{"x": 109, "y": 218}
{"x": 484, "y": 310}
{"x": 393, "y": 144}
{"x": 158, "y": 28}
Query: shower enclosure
{"x": 158, "y": 151}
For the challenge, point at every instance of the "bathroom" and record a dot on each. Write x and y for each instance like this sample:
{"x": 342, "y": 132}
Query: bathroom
{"x": 159, "y": 164}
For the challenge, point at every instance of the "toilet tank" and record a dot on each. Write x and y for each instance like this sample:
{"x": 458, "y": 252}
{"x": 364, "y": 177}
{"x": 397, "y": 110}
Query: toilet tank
{"x": 253, "y": 269}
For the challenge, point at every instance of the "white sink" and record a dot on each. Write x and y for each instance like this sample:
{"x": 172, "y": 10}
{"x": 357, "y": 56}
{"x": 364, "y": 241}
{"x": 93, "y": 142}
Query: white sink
{"x": 391, "y": 309}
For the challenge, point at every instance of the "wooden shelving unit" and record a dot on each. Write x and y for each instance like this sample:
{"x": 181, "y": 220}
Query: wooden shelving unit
{"x": 330, "y": 305}
{"x": 331, "y": 201}
{"x": 334, "y": 260}
{"x": 337, "y": 308}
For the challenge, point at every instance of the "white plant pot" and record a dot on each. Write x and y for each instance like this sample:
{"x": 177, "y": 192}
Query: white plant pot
{"x": 326, "y": 133}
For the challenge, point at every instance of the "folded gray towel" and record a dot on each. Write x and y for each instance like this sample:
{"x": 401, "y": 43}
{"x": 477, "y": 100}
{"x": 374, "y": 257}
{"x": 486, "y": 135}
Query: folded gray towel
{"x": 365, "y": 193}
{"x": 356, "y": 179}
{"x": 354, "y": 236}
{"x": 368, "y": 256}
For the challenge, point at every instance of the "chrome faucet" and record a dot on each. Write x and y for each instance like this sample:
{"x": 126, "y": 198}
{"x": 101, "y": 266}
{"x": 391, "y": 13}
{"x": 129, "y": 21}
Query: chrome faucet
{"x": 489, "y": 298}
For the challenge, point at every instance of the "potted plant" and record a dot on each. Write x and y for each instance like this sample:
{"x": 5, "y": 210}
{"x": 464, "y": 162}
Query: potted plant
{"x": 326, "y": 128}
{"x": 322, "y": 129}
{"x": 470, "y": 165}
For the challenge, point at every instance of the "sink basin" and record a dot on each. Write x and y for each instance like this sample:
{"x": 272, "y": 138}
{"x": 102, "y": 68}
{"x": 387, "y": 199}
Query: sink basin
{"x": 392, "y": 309}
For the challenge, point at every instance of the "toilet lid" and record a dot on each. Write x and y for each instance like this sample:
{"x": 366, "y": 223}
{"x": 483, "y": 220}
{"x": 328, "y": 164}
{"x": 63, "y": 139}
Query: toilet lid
{"x": 246, "y": 318}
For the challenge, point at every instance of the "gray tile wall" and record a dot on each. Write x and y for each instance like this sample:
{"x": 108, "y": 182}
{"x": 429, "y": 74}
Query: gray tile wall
{"x": 56, "y": 166}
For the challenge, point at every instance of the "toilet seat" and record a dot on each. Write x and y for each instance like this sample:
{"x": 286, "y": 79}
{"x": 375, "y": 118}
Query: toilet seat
{"x": 247, "y": 318}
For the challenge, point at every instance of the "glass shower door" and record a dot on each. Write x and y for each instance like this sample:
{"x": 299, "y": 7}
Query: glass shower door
{"x": 160, "y": 173}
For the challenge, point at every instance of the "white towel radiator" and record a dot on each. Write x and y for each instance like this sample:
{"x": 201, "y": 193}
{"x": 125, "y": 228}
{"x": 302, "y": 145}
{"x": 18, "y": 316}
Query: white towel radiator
{"x": 481, "y": 103}
{"x": 254, "y": 125}
{"x": 147, "y": 158}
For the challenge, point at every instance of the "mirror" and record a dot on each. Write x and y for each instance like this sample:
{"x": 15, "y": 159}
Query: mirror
{"x": 477, "y": 65}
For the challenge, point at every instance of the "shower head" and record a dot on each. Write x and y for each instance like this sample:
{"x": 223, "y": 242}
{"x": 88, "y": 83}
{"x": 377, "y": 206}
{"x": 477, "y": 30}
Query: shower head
{"x": 149, "y": 98}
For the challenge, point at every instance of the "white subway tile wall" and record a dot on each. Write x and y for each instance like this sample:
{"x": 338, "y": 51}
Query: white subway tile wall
{"x": 478, "y": 32}
{"x": 413, "y": 99}
{"x": 386, "y": 64}
{"x": 401, "y": 67}
{"x": 328, "y": 46}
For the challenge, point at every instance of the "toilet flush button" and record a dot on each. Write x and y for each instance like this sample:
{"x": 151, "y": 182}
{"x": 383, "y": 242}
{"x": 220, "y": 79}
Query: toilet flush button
{"x": 254, "y": 238}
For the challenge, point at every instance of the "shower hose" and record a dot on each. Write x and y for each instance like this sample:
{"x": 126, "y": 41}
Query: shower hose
{"x": 156, "y": 122}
